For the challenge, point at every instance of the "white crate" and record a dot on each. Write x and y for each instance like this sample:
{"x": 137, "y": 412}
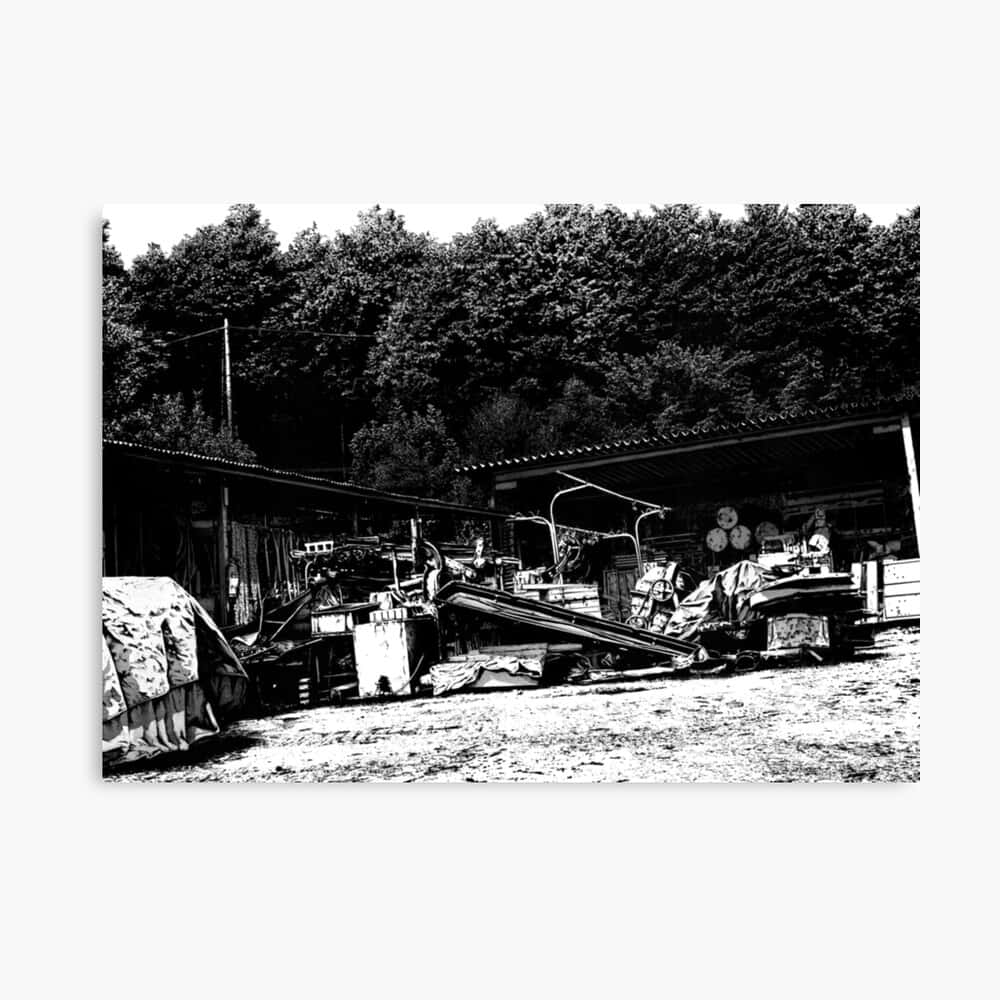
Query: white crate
{"x": 318, "y": 548}
{"x": 387, "y": 650}
{"x": 904, "y": 606}
{"x": 901, "y": 571}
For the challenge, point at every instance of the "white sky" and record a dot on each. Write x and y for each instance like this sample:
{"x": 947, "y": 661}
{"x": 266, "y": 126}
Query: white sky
{"x": 134, "y": 227}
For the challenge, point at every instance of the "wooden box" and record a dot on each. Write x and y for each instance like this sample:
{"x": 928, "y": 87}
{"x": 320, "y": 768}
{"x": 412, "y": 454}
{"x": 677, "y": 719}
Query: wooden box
{"x": 901, "y": 589}
{"x": 902, "y": 571}
{"x": 903, "y": 606}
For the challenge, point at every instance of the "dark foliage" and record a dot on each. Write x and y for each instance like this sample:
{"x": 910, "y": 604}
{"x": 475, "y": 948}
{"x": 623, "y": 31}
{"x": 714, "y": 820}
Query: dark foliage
{"x": 399, "y": 356}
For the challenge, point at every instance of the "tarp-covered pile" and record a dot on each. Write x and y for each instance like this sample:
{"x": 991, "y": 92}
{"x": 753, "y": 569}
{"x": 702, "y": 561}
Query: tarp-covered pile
{"x": 723, "y": 597}
{"x": 513, "y": 667}
{"x": 169, "y": 675}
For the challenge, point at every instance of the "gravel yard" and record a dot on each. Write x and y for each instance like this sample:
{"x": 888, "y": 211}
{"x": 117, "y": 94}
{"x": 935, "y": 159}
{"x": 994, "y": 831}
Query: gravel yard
{"x": 852, "y": 721}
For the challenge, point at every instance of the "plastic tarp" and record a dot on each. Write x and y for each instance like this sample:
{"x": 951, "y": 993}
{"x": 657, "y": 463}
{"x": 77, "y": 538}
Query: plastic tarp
{"x": 488, "y": 671}
{"x": 168, "y": 674}
{"x": 723, "y": 597}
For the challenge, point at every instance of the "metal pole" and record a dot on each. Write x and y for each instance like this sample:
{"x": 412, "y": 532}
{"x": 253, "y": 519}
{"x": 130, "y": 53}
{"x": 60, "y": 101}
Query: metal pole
{"x": 552, "y": 522}
{"x": 638, "y": 545}
{"x": 604, "y": 489}
{"x": 227, "y": 380}
{"x": 632, "y": 541}
{"x": 911, "y": 466}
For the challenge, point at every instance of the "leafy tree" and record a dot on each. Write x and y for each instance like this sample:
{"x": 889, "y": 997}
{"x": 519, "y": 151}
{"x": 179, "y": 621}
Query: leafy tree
{"x": 152, "y": 290}
{"x": 233, "y": 269}
{"x": 338, "y": 293}
{"x": 131, "y": 360}
{"x": 579, "y": 415}
{"x": 678, "y": 387}
{"x": 167, "y": 421}
{"x": 135, "y": 361}
{"x": 578, "y": 324}
{"x": 112, "y": 265}
{"x": 408, "y": 453}
{"x": 502, "y": 424}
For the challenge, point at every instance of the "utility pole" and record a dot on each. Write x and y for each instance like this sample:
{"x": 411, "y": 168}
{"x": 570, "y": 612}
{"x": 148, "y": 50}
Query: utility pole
{"x": 227, "y": 379}
{"x": 222, "y": 525}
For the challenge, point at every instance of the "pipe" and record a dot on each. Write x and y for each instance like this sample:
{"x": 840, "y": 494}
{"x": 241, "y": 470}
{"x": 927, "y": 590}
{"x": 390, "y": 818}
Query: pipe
{"x": 638, "y": 546}
{"x": 604, "y": 489}
{"x": 632, "y": 539}
{"x": 552, "y": 521}
{"x": 538, "y": 519}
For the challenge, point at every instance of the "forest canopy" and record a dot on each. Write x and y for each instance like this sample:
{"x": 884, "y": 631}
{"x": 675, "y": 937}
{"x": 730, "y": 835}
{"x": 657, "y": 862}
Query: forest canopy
{"x": 390, "y": 357}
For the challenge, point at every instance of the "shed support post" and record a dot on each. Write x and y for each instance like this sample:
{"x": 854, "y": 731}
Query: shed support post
{"x": 115, "y": 571}
{"x": 222, "y": 546}
{"x": 911, "y": 466}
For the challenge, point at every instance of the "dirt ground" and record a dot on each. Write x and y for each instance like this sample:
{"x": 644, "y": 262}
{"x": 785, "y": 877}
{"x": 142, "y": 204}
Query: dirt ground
{"x": 852, "y": 721}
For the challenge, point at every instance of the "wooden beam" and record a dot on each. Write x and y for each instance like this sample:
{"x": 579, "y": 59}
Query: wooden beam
{"x": 911, "y": 466}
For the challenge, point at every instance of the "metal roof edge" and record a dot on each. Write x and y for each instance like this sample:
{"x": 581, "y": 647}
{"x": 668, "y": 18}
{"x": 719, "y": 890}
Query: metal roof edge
{"x": 784, "y": 418}
{"x": 294, "y": 478}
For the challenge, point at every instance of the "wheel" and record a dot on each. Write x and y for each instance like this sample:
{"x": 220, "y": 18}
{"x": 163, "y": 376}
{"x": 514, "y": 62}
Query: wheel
{"x": 661, "y": 590}
{"x": 726, "y": 517}
{"x": 740, "y": 537}
{"x": 636, "y": 621}
{"x": 717, "y": 540}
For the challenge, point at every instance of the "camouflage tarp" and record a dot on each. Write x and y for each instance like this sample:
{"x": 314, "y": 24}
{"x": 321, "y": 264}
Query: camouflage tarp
{"x": 169, "y": 675}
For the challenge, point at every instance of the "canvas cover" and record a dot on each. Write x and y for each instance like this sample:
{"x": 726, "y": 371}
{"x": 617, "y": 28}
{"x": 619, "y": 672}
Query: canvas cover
{"x": 723, "y": 597}
{"x": 488, "y": 670}
{"x": 169, "y": 676}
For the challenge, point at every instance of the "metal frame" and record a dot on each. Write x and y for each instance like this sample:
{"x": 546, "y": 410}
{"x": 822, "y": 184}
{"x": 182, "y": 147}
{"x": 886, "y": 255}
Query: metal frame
{"x": 554, "y": 528}
{"x": 662, "y": 511}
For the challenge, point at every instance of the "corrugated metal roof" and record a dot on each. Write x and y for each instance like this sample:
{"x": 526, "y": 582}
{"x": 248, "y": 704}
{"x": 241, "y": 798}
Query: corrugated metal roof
{"x": 254, "y": 470}
{"x": 799, "y": 416}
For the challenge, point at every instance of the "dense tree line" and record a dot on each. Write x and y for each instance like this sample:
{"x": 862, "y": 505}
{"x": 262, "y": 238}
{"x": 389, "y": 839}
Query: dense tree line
{"x": 397, "y": 356}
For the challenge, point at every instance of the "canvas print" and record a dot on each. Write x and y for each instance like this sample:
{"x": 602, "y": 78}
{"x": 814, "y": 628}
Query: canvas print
{"x": 507, "y": 493}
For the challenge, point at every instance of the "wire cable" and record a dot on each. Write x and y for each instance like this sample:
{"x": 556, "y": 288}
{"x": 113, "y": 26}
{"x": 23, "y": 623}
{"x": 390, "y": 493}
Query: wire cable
{"x": 192, "y": 336}
{"x": 268, "y": 329}
{"x": 308, "y": 333}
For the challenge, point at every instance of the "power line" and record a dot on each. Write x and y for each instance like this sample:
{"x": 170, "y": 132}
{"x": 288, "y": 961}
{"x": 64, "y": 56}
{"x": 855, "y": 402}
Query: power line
{"x": 191, "y": 336}
{"x": 310, "y": 333}
{"x": 270, "y": 329}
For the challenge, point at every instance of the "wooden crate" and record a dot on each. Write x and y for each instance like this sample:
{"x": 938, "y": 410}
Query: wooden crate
{"x": 903, "y": 606}
{"x": 902, "y": 571}
{"x": 901, "y": 589}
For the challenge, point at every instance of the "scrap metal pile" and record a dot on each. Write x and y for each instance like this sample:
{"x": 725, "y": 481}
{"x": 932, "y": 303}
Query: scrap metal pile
{"x": 436, "y": 623}
{"x": 387, "y": 620}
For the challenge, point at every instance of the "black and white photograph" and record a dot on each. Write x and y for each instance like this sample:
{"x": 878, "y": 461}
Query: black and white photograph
{"x": 552, "y": 493}
{"x": 468, "y": 460}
